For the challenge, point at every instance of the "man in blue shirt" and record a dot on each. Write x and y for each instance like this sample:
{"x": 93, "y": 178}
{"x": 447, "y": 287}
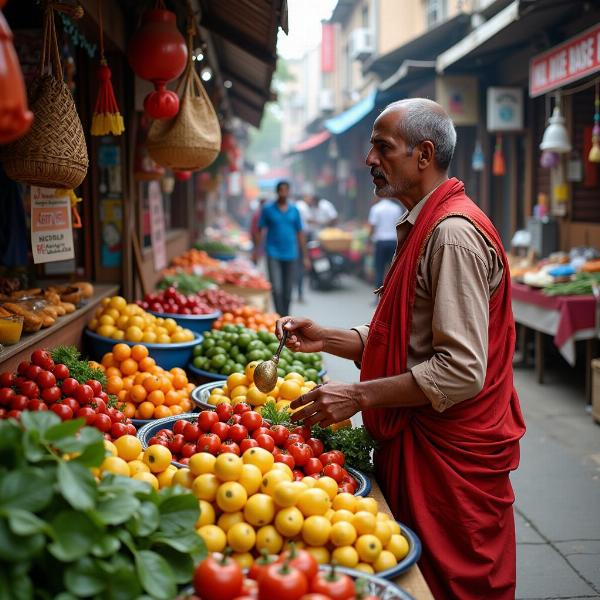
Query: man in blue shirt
{"x": 284, "y": 238}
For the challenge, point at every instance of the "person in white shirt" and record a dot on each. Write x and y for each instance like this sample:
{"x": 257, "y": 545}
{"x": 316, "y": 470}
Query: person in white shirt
{"x": 316, "y": 213}
{"x": 383, "y": 218}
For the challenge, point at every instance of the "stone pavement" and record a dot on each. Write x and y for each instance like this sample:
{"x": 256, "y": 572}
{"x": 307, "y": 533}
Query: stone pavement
{"x": 557, "y": 486}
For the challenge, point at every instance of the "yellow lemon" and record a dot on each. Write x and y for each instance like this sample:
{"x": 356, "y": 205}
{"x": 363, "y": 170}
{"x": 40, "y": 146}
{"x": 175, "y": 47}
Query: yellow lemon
{"x": 202, "y": 462}
{"x": 314, "y": 501}
{"x": 137, "y": 466}
{"x": 398, "y": 546}
{"x": 383, "y": 532}
{"x": 244, "y": 559}
{"x": 116, "y": 465}
{"x": 283, "y": 467}
{"x": 286, "y": 493}
{"x": 269, "y": 539}
{"x": 241, "y": 537}
{"x": 368, "y": 547}
{"x": 346, "y": 556}
{"x": 207, "y": 514}
{"x": 342, "y": 515}
{"x": 128, "y": 447}
{"x": 342, "y": 534}
{"x": 364, "y": 522}
{"x": 364, "y": 568}
{"x": 271, "y": 479}
{"x": 231, "y": 496}
{"x": 288, "y": 522}
{"x": 214, "y": 537}
{"x": 227, "y": 520}
{"x": 259, "y": 457}
{"x": 228, "y": 466}
{"x": 183, "y": 477}
{"x": 320, "y": 554}
{"x": 344, "y": 501}
{"x": 386, "y": 560}
{"x": 250, "y": 478}
{"x": 368, "y": 504}
{"x": 329, "y": 485}
{"x": 316, "y": 530}
{"x": 205, "y": 487}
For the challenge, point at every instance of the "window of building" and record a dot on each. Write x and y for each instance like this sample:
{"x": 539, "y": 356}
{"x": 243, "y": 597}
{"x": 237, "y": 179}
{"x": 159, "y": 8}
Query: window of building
{"x": 435, "y": 11}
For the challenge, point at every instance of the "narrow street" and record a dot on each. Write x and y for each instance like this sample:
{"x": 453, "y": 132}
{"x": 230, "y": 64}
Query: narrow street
{"x": 557, "y": 486}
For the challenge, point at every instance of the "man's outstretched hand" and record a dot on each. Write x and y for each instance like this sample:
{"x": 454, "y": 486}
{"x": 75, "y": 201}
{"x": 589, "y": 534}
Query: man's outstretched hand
{"x": 304, "y": 335}
{"x": 327, "y": 404}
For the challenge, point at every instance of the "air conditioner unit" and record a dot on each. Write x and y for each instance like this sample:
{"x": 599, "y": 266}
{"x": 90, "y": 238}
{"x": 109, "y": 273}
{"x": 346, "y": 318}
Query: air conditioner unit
{"x": 326, "y": 100}
{"x": 361, "y": 44}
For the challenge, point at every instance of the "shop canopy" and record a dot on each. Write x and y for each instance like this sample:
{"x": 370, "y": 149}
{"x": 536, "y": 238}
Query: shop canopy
{"x": 312, "y": 141}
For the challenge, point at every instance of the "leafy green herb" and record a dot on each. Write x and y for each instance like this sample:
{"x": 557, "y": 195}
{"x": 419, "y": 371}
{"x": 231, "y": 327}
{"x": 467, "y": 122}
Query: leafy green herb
{"x": 78, "y": 368}
{"x": 275, "y": 416}
{"x": 66, "y": 535}
{"x": 186, "y": 283}
{"x": 355, "y": 442}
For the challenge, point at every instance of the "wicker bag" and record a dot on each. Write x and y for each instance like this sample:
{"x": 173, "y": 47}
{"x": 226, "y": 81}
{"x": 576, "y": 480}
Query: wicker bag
{"x": 192, "y": 138}
{"x": 53, "y": 154}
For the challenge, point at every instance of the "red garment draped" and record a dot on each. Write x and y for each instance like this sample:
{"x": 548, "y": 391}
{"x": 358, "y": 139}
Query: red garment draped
{"x": 447, "y": 474}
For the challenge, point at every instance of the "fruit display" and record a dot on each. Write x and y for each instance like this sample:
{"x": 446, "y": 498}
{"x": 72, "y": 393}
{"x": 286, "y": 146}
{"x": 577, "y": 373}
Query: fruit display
{"x": 216, "y": 249}
{"x": 145, "y": 390}
{"x": 118, "y": 320}
{"x": 248, "y": 316}
{"x": 193, "y": 258}
{"x": 221, "y": 300}
{"x": 239, "y": 273}
{"x": 41, "y": 384}
{"x": 186, "y": 283}
{"x": 229, "y": 349}
{"x": 172, "y": 301}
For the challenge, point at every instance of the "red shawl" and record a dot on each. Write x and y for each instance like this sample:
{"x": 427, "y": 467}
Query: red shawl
{"x": 447, "y": 474}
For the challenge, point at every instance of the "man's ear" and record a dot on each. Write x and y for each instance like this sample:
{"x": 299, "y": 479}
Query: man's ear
{"x": 426, "y": 154}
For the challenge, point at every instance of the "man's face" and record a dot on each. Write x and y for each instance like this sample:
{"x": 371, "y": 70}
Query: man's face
{"x": 283, "y": 192}
{"x": 393, "y": 163}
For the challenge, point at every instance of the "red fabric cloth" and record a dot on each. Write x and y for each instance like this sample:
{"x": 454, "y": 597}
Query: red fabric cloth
{"x": 447, "y": 474}
{"x": 576, "y": 312}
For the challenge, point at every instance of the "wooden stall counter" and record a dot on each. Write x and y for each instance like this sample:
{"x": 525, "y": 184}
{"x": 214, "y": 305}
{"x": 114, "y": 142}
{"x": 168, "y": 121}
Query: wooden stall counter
{"x": 68, "y": 330}
{"x": 412, "y": 581}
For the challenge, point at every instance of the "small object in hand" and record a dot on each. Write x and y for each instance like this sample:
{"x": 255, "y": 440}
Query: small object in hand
{"x": 265, "y": 374}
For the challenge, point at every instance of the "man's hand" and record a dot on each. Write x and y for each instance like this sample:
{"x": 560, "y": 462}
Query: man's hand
{"x": 304, "y": 335}
{"x": 307, "y": 264}
{"x": 328, "y": 404}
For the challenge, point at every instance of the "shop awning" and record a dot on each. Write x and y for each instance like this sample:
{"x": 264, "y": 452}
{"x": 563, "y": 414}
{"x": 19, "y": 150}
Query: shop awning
{"x": 312, "y": 141}
{"x": 409, "y": 73}
{"x": 346, "y": 120}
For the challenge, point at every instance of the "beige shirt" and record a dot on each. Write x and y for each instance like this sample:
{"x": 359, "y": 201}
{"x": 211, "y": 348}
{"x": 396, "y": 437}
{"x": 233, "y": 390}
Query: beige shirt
{"x": 456, "y": 276}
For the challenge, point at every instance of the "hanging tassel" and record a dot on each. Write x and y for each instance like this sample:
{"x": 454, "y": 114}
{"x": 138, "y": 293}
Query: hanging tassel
{"x": 106, "y": 120}
{"x": 594, "y": 155}
{"x": 498, "y": 164}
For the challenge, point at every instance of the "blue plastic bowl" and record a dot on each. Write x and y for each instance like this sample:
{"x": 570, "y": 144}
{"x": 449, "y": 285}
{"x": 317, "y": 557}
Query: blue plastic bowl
{"x": 166, "y": 356}
{"x": 197, "y": 323}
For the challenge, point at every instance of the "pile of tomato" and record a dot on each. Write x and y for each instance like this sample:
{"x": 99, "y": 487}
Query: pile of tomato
{"x": 39, "y": 385}
{"x": 293, "y": 575}
{"x": 238, "y": 428}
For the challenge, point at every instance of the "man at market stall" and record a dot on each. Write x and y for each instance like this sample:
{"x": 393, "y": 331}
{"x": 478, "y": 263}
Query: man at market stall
{"x": 436, "y": 387}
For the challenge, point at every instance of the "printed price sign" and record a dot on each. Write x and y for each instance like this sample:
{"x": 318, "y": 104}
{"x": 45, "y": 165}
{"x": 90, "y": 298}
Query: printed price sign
{"x": 157, "y": 226}
{"x": 51, "y": 229}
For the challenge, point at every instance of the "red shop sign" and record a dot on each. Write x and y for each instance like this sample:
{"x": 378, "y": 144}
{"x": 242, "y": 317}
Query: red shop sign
{"x": 327, "y": 48}
{"x": 568, "y": 62}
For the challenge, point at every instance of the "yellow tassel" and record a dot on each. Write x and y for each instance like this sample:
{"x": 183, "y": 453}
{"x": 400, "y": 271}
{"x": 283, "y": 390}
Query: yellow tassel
{"x": 107, "y": 124}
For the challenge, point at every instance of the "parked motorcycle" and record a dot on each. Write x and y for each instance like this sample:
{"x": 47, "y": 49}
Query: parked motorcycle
{"x": 326, "y": 267}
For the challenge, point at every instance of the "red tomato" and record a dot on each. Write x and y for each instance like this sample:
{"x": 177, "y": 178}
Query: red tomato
{"x": 251, "y": 420}
{"x": 298, "y": 475}
{"x": 333, "y": 456}
{"x": 69, "y": 386}
{"x": 335, "y": 585}
{"x": 20, "y": 402}
{"x": 177, "y": 442}
{"x": 316, "y": 446}
{"x": 347, "y": 487}
{"x": 300, "y": 453}
{"x": 46, "y": 379}
{"x": 72, "y": 404}
{"x": 224, "y": 411}
{"x": 280, "y": 434}
{"x": 283, "y": 456}
{"x": 13, "y": 414}
{"x": 63, "y": 411}
{"x": 260, "y": 431}
{"x": 312, "y": 596}
{"x": 36, "y": 404}
{"x": 283, "y": 582}
{"x": 188, "y": 450}
{"x": 334, "y": 471}
{"x": 184, "y": 461}
{"x": 101, "y": 421}
{"x": 235, "y": 419}
{"x": 6, "y": 395}
{"x": 237, "y": 433}
{"x": 117, "y": 430}
{"x": 7, "y": 379}
{"x": 23, "y": 366}
{"x": 191, "y": 432}
{"x": 208, "y": 442}
{"x": 258, "y": 566}
{"x": 180, "y": 425}
{"x": 156, "y": 440}
{"x": 294, "y": 438}
{"x": 301, "y": 560}
{"x": 32, "y": 372}
{"x": 248, "y": 443}
{"x": 312, "y": 466}
{"x": 218, "y": 579}
{"x": 87, "y": 413}
{"x": 265, "y": 441}
{"x": 29, "y": 389}
{"x": 229, "y": 446}
{"x": 61, "y": 371}
{"x": 95, "y": 385}
{"x": 98, "y": 405}
{"x": 104, "y": 396}
{"x": 221, "y": 429}
{"x": 42, "y": 358}
{"x": 131, "y": 430}
{"x": 52, "y": 394}
{"x": 304, "y": 431}
{"x": 241, "y": 408}
{"x": 84, "y": 394}
{"x": 206, "y": 419}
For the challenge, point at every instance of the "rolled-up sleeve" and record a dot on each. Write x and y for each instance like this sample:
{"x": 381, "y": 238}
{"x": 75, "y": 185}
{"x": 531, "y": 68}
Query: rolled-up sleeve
{"x": 458, "y": 279}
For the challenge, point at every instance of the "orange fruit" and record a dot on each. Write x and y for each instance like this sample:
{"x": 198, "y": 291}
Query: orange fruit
{"x": 114, "y": 384}
{"x": 171, "y": 398}
{"x": 123, "y": 395}
{"x": 186, "y": 404}
{"x": 175, "y": 409}
{"x": 108, "y": 360}
{"x": 152, "y": 383}
{"x": 139, "y": 352}
{"x": 180, "y": 381}
{"x": 290, "y": 389}
{"x": 165, "y": 384}
{"x": 129, "y": 366}
{"x": 146, "y": 410}
{"x": 138, "y": 393}
{"x": 157, "y": 397}
{"x": 139, "y": 378}
{"x": 121, "y": 352}
{"x": 129, "y": 410}
{"x": 113, "y": 372}
{"x": 160, "y": 412}
{"x": 146, "y": 364}
{"x": 127, "y": 382}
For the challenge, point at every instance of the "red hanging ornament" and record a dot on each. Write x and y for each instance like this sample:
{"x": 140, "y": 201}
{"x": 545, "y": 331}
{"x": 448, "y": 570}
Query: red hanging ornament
{"x": 15, "y": 118}
{"x": 183, "y": 175}
{"x": 106, "y": 119}
{"x": 158, "y": 52}
{"x": 498, "y": 164}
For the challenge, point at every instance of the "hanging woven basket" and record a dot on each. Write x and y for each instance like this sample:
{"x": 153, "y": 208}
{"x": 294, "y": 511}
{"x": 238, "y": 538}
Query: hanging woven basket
{"x": 192, "y": 139}
{"x": 53, "y": 154}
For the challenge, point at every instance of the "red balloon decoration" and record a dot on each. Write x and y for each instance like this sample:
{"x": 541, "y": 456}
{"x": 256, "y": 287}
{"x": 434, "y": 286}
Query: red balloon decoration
{"x": 183, "y": 175}
{"x": 15, "y": 118}
{"x": 158, "y": 52}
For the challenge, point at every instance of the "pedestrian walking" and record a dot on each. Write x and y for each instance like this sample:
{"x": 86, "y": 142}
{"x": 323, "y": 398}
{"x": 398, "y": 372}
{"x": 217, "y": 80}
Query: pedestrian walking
{"x": 255, "y": 232}
{"x": 436, "y": 388}
{"x": 283, "y": 244}
{"x": 383, "y": 218}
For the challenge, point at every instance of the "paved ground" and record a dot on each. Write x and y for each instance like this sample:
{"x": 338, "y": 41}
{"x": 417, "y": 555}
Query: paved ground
{"x": 558, "y": 483}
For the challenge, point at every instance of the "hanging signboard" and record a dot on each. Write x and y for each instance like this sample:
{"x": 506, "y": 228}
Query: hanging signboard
{"x": 504, "y": 109}
{"x": 157, "y": 226}
{"x": 51, "y": 229}
{"x": 327, "y": 48}
{"x": 572, "y": 60}
{"x": 459, "y": 96}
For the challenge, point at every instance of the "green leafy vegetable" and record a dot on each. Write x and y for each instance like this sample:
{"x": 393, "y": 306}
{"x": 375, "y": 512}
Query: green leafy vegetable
{"x": 275, "y": 416}
{"x": 355, "y": 442}
{"x": 186, "y": 283}
{"x": 78, "y": 368}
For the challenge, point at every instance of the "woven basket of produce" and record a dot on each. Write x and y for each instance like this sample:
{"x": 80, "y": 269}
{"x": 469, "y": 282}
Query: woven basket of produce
{"x": 53, "y": 154}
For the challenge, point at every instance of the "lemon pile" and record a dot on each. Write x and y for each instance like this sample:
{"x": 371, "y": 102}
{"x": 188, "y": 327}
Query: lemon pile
{"x": 240, "y": 387}
{"x": 118, "y": 320}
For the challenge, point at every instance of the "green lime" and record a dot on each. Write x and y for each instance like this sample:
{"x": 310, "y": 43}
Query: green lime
{"x": 281, "y": 373}
{"x": 254, "y": 355}
{"x": 243, "y": 340}
{"x": 218, "y": 361}
{"x": 214, "y": 351}
{"x": 273, "y": 347}
{"x": 240, "y": 358}
{"x": 256, "y": 345}
{"x": 238, "y": 367}
{"x": 198, "y": 362}
{"x": 311, "y": 374}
